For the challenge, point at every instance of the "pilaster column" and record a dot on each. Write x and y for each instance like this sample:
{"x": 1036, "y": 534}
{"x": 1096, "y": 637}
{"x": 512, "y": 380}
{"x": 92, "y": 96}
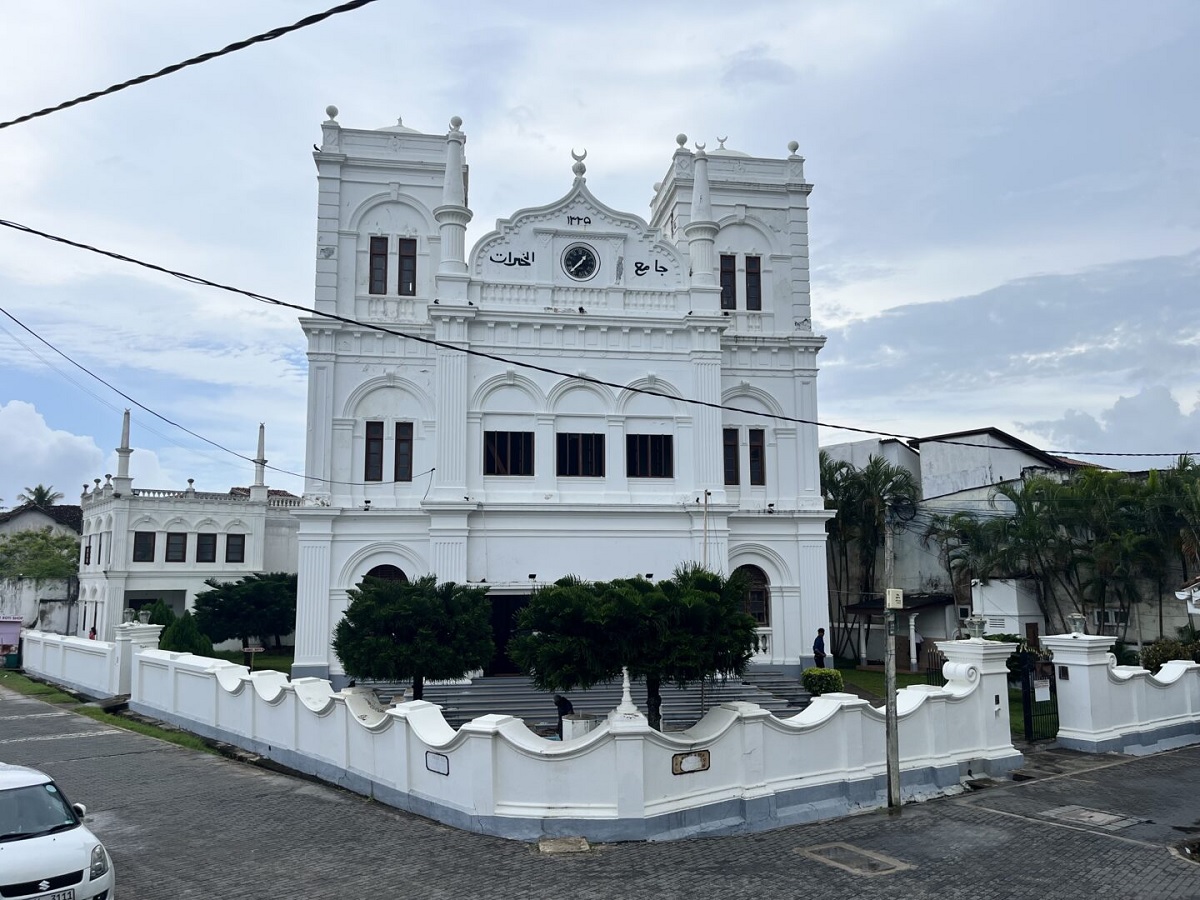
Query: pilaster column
{"x": 448, "y": 534}
{"x": 450, "y": 477}
{"x": 545, "y": 454}
{"x": 313, "y": 628}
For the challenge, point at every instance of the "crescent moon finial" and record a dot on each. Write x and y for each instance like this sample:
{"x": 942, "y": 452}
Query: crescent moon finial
{"x": 579, "y": 158}
{"x": 700, "y": 146}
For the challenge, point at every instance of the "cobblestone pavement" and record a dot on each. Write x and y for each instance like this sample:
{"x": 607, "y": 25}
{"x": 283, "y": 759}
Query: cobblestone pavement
{"x": 184, "y": 824}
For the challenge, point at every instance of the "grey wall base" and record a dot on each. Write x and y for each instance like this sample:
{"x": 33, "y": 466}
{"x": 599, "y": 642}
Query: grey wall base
{"x": 84, "y": 690}
{"x": 1139, "y": 743}
{"x": 791, "y": 807}
{"x": 310, "y": 672}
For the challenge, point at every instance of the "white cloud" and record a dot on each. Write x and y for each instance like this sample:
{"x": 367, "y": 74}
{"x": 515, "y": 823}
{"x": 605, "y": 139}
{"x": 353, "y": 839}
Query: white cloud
{"x": 35, "y": 453}
{"x": 1150, "y": 421}
{"x": 955, "y": 148}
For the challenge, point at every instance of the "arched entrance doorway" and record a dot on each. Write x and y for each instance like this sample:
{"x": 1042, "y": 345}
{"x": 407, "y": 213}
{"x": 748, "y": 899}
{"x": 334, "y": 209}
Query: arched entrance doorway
{"x": 757, "y": 601}
{"x": 387, "y": 573}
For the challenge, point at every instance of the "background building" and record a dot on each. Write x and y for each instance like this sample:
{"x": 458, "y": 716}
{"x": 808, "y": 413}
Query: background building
{"x": 434, "y": 446}
{"x": 47, "y": 604}
{"x": 145, "y": 544}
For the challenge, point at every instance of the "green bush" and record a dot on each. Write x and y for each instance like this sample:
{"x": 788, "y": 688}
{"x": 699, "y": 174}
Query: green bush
{"x": 1164, "y": 649}
{"x": 184, "y": 636}
{"x": 161, "y": 614}
{"x": 821, "y": 681}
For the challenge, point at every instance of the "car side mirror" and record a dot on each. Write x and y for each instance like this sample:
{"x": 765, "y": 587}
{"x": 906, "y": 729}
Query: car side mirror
{"x": 80, "y": 809}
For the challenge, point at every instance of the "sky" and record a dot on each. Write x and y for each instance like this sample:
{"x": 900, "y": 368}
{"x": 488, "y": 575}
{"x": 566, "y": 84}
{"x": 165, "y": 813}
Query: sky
{"x": 1005, "y": 224}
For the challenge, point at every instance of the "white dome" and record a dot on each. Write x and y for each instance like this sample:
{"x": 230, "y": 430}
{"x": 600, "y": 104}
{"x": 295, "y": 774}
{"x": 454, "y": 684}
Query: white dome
{"x": 399, "y": 128}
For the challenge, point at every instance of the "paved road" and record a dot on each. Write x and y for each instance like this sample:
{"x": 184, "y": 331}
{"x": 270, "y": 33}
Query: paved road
{"x": 183, "y": 824}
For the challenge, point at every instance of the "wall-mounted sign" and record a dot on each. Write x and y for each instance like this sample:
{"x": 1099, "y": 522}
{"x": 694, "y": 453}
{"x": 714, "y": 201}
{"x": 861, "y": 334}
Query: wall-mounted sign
{"x": 1041, "y": 689}
{"x": 686, "y": 763}
{"x": 437, "y": 763}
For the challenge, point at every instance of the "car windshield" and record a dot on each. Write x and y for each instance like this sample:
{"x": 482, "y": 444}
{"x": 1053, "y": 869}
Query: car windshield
{"x": 34, "y": 810}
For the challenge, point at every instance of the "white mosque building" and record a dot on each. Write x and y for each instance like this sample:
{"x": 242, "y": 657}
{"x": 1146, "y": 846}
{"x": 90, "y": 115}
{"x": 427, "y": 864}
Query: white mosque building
{"x": 581, "y": 393}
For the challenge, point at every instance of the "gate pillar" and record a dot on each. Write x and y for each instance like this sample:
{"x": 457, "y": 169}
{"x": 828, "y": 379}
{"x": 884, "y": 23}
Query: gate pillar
{"x": 1085, "y": 712}
{"x": 983, "y": 665}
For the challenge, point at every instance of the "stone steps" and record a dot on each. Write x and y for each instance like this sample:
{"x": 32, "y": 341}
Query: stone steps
{"x": 515, "y": 695}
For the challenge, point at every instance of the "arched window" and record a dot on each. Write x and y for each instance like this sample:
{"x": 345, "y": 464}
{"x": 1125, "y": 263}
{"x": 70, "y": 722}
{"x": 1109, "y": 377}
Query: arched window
{"x": 387, "y": 573}
{"x": 758, "y": 594}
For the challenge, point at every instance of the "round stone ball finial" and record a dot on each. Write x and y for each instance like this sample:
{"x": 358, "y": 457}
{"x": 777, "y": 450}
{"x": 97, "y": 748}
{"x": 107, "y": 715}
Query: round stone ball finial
{"x": 456, "y": 122}
{"x": 681, "y": 139}
{"x": 793, "y": 146}
{"x": 331, "y": 111}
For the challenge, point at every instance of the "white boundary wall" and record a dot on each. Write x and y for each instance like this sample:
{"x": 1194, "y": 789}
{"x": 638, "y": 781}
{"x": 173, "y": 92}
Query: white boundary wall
{"x": 99, "y": 669}
{"x": 82, "y": 665}
{"x": 738, "y": 769}
{"x": 1103, "y": 707}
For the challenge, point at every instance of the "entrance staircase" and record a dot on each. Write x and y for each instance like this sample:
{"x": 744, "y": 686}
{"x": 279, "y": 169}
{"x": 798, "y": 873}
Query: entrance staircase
{"x": 515, "y": 695}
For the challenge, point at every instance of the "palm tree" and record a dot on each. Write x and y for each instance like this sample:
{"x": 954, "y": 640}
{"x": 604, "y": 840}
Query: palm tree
{"x": 838, "y": 486}
{"x": 884, "y": 490}
{"x": 40, "y": 496}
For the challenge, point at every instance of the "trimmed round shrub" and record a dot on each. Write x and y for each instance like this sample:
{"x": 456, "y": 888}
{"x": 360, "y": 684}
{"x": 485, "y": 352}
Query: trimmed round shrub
{"x": 184, "y": 636}
{"x": 821, "y": 681}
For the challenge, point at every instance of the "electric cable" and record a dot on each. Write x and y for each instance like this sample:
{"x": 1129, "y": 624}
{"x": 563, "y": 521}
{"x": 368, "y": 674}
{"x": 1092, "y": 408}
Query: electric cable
{"x": 159, "y": 415}
{"x": 470, "y": 351}
{"x": 194, "y": 61}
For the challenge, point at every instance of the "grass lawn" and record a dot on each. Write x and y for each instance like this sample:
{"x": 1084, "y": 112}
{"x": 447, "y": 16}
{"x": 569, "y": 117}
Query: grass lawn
{"x": 50, "y": 694}
{"x": 872, "y": 682}
{"x": 280, "y": 662}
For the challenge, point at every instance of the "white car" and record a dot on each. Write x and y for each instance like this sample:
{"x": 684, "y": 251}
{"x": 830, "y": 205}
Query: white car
{"x": 46, "y": 853}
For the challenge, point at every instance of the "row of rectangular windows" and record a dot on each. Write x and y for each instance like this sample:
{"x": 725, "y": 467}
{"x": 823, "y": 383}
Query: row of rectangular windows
{"x": 579, "y": 455}
{"x": 753, "y": 290}
{"x": 177, "y": 547}
{"x": 406, "y": 283}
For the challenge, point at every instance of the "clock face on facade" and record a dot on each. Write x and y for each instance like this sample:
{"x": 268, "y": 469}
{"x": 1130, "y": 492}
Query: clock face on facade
{"x": 580, "y": 262}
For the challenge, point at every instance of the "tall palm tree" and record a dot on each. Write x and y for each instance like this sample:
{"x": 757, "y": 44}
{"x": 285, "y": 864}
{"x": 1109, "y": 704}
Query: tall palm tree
{"x": 40, "y": 496}
{"x": 883, "y": 489}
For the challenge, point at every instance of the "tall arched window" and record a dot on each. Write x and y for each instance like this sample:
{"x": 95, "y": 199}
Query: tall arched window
{"x": 758, "y": 594}
{"x": 387, "y": 573}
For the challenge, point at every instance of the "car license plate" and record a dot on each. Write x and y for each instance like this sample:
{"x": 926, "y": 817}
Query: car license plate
{"x": 68, "y": 894}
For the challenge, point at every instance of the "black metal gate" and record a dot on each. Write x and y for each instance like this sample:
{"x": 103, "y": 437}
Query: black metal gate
{"x": 1039, "y": 697}
{"x": 934, "y": 660}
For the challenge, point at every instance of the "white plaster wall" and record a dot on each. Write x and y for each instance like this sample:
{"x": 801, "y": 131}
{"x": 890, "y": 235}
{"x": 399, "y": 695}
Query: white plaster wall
{"x": 494, "y": 767}
{"x": 1103, "y": 706}
{"x": 81, "y": 664}
{"x": 950, "y": 467}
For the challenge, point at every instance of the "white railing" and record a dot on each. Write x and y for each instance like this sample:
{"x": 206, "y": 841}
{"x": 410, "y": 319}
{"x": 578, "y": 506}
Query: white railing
{"x": 508, "y": 295}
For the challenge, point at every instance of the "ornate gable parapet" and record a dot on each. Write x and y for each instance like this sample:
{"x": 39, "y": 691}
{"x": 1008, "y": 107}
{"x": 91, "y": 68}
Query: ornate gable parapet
{"x": 574, "y": 246}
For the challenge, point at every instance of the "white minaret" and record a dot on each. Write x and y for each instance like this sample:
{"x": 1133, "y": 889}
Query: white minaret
{"x": 258, "y": 490}
{"x": 701, "y": 231}
{"x": 123, "y": 484}
{"x": 452, "y": 218}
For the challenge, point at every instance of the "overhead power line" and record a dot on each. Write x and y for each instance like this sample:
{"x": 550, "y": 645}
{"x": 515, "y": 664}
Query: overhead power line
{"x": 483, "y": 354}
{"x": 194, "y": 61}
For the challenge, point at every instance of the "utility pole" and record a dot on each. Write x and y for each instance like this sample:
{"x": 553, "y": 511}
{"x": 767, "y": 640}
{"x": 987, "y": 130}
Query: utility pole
{"x": 894, "y": 600}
